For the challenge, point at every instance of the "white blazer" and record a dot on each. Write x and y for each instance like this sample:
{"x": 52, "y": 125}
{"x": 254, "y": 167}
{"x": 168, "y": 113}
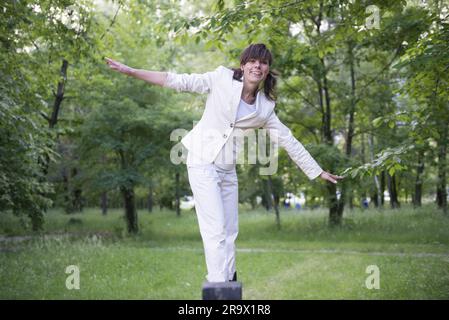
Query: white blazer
{"x": 212, "y": 132}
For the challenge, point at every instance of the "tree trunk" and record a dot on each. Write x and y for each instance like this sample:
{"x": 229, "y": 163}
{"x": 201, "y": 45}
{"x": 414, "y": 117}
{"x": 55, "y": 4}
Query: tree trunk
{"x": 253, "y": 202}
{"x": 441, "y": 183}
{"x": 177, "y": 202}
{"x": 328, "y": 113}
{"x": 379, "y": 192}
{"x": 418, "y": 181}
{"x": 104, "y": 203}
{"x": 375, "y": 199}
{"x": 65, "y": 186}
{"x": 382, "y": 188}
{"x": 275, "y": 200}
{"x": 323, "y": 112}
{"x": 392, "y": 190}
{"x": 127, "y": 191}
{"x": 44, "y": 164}
{"x": 130, "y": 209}
{"x": 150, "y": 198}
{"x": 351, "y": 199}
{"x": 335, "y": 218}
{"x": 335, "y": 208}
{"x": 77, "y": 201}
{"x": 347, "y": 192}
{"x": 267, "y": 196}
{"x": 59, "y": 95}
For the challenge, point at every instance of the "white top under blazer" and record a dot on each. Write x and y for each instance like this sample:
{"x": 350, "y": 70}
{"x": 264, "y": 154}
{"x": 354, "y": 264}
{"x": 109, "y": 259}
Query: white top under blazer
{"x": 218, "y": 122}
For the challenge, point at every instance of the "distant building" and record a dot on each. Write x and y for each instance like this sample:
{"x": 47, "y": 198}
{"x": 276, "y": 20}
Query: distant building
{"x": 187, "y": 203}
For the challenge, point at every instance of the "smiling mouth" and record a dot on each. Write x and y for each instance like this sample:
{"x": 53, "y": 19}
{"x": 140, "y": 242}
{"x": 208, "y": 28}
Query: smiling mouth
{"x": 256, "y": 73}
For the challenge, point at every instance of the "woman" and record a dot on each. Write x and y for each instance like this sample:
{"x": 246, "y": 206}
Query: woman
{"x": 237, "y": 99}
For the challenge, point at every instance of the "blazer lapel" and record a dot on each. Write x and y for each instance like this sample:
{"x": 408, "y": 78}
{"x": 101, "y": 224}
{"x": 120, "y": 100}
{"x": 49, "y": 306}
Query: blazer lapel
{"x": 237, "y": 88}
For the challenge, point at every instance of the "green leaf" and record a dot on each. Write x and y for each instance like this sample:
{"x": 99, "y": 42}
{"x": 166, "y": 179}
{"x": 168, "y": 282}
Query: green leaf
{"x": 391, "y": 171}
{"x": 377, "y": 122}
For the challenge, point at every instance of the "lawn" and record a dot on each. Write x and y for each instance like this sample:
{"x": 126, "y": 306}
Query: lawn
{"x": 305, "y": 259}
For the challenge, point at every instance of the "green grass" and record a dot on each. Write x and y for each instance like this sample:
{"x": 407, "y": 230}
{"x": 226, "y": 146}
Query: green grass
{"x": 305, "y": 259}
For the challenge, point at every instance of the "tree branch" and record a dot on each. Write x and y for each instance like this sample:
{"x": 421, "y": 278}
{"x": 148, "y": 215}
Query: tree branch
{"x": 44, "y": 116}
{"x": 290, "y": 88}
{"x": 379, "y": 73}
{"x": 112, "y": 21}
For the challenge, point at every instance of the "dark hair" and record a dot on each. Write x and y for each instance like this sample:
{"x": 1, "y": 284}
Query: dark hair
{"x": 259, "y": 51}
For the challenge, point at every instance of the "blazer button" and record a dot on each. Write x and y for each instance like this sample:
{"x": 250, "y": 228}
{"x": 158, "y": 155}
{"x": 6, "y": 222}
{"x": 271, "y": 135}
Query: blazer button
{"x": 231, "y": 125}
{"x": 225, "y": 136}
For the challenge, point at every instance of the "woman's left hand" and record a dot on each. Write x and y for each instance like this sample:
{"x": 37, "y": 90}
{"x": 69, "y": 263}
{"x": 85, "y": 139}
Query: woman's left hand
{"x": 330, "y": 177}
{"x": 120, "y": 67}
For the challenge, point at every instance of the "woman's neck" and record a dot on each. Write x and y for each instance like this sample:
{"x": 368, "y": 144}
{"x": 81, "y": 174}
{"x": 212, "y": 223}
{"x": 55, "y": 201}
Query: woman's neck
{"x": 249, "y": 93}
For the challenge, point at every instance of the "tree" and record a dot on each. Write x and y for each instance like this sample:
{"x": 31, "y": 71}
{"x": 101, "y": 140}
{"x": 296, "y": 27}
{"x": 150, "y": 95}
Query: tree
{"x": 127, "y": 134}
{"x": 34, "y": 35}
{"x": 427, "y": 68}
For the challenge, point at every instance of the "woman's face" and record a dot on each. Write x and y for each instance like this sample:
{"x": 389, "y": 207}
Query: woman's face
{"x": 255, "y": 70}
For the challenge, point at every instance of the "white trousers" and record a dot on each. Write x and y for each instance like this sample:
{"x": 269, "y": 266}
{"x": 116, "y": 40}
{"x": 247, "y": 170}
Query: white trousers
{"x": 215, "y": 193}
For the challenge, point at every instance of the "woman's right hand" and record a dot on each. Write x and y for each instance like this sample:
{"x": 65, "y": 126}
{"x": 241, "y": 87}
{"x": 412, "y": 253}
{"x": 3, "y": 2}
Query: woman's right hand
{"x": 120, "y": 67}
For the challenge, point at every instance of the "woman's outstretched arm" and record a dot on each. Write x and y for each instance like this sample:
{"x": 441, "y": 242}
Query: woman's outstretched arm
{"x": 153, "y": 77}
{"x": 296, "y": 150}
{"x": 199, "y": 83}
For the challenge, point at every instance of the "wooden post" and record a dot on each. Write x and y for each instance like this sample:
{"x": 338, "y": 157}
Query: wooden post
{"x": 231, "y": 290}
